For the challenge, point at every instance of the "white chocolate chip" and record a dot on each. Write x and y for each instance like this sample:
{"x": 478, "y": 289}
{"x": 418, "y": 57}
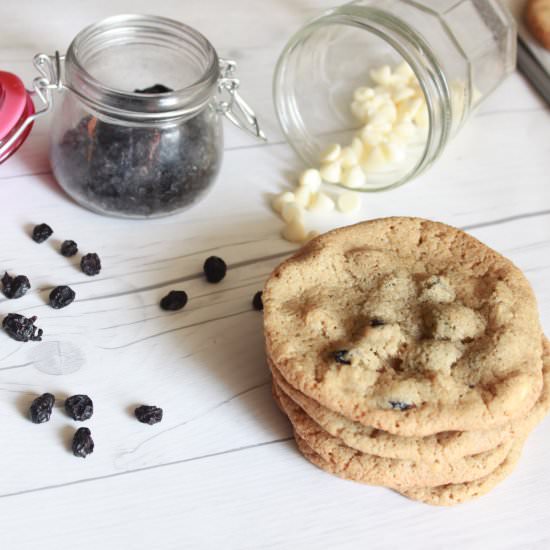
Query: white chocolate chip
{"x": 321, "y": 204}
{"x": 422, "y": 117}
{"x": 348, "y": 157}
{"x": 375, "y": 160}
{"x": 363, "y": 94}
{"x": 360, "y": 110}
{"x": 395, "y": 151}
{"x": 292, "y": 211}
{"x": 302, "y": 196}
{"x": 311, "y": 235}
{"x": 280, "y": 200}
{"x": 294, "y": 232}
{"x": 372, "y": 136}
{"x": 403, "y": 92}
{"x": 354, "y": 177}
{"x": 311, "y": 179}
{"x": 382, "y": 75}
{"x": 384, "y": 115}
{"x": 404, "y": 69}
{"x": 357, "y": 146}
{"x": 331, "y": 154}
{"x": 331, "y": 172}
{"x": 349, "y": 202}
{"x": 405, "y": 130}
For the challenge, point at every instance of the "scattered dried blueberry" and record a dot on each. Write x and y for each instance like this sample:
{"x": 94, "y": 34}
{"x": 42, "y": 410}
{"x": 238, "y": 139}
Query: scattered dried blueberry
{"x": 257, "y": 301}
{"x": 174, "y": 300}
{"x": 41, "y": 408}
{"x": 68, "y": 249}
{"x": 15, "y": 287}
{"x": 156, "y": 89}
{"x": 376, "y": 322}
{"x": 41, "y": 233}
{"x": 148, "y": 414}
{"x": 90, "y": 264}
{"x": 83, "y": 444}
{"x": 61, "y": 296}
{"x": 21, "y": 328}
{"x": 342, "y": 356}
{"x": 214, "y": 269}
{"x": 79, "y": 407}
{"x": 400, "y": 406}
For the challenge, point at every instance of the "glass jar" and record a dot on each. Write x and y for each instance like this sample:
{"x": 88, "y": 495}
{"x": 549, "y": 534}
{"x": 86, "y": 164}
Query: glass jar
{"x": 458, "y": 50}
{"x": 137, "y": 131}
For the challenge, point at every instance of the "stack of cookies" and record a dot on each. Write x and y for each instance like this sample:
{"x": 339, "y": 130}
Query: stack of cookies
{"x": 407, "y": 354}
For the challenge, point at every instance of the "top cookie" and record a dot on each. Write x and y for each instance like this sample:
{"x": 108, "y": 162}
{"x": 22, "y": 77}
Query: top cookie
{"x": 406, "y": 325}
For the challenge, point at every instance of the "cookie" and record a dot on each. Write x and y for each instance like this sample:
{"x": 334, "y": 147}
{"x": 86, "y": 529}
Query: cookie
{"x": 408, "y": 326}
{"x": 446, "y": 495}
{"x": 537, "y": 17}
{"x": 446, "y": 446}
{"x": 388, "y": 472}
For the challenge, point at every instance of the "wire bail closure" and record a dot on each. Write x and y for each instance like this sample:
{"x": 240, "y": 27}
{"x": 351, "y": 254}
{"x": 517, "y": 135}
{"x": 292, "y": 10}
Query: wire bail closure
{"x": 235, "y": 108}
{"x": 49, "y": 68}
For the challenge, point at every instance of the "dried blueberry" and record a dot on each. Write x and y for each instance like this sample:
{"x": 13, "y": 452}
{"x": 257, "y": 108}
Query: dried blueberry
{"x": 257, "y": 302}
{"x": 214, "y": 269}
{"x": 21, "y": 328}
{"x": 148, "y": 414}
{"x": 79, "y": 407}
{"x": 15, "y": 287}
{"x": 83, "y": 444}
{"x": 41, "y": 233}
{"x": 400, "y": 406}
{"x": 61, "y": 296}
{"x": 68, "y": 249}
{"x": 90, "y": 264}
{"x": 342, "y": 356}
{"x": 156, "y": 89}
{"x": 174, "y": 300}
{"x": 41, "y": 408}
{"x": 376, "y": 322}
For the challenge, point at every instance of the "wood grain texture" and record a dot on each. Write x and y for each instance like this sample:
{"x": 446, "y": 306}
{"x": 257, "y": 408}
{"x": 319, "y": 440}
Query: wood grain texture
{"x": 220, "y": 470}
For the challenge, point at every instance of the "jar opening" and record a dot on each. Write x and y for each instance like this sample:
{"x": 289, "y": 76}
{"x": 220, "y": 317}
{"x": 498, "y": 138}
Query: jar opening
{"x": 108, "y": 61}
{"x": 327, "y": 60}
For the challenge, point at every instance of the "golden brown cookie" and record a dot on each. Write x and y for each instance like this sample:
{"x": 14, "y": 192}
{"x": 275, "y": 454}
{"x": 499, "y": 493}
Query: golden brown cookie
{"x": 408, "y": 326}
{"x": 537, "y": 17}
{"x": 446, "y": 446}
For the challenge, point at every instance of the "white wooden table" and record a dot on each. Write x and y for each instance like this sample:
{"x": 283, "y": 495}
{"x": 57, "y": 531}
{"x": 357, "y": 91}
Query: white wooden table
{"x": 221, "y": 470}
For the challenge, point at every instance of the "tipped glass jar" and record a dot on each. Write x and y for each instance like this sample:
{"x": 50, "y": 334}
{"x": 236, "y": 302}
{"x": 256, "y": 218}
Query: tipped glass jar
{"x": 371, "y": 92}
{"x": 137, "y": 130}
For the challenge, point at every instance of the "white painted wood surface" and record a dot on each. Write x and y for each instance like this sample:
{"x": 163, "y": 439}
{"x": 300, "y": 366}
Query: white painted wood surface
{"x": 221, "y": 470}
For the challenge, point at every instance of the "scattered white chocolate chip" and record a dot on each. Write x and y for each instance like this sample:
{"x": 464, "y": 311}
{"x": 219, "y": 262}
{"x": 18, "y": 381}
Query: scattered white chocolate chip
{"x": 311, "y": 179}
{"x": 292, "y": 211}
{"x": 294, "y": 232}
{"x": 331, "y": 172}
{"x": 354, "y": 177}
{"x": 331, "y": 154}
{"x": 349, "y": 202}
{"x": 280, "y": 200}
{"x": 321, "y": 203}
{"x": 302, "y": 196}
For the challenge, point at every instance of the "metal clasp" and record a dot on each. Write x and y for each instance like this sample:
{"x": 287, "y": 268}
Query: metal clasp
{"x": 49, "y": 68}
{"x": 235, "y": 107}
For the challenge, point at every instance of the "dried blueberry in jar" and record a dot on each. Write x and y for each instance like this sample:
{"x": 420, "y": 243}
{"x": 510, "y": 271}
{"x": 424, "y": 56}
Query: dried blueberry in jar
{"x": 15, "y": 287}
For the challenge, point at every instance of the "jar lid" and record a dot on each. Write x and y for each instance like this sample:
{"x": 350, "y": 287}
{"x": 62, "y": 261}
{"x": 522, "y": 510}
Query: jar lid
{"x": 16, "y": 106}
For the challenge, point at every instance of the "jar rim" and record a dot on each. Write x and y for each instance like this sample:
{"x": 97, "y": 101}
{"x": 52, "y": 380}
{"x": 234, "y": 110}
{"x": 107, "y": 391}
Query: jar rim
{"x": 132, "y": 106}
{"x": 403, "y": 39}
